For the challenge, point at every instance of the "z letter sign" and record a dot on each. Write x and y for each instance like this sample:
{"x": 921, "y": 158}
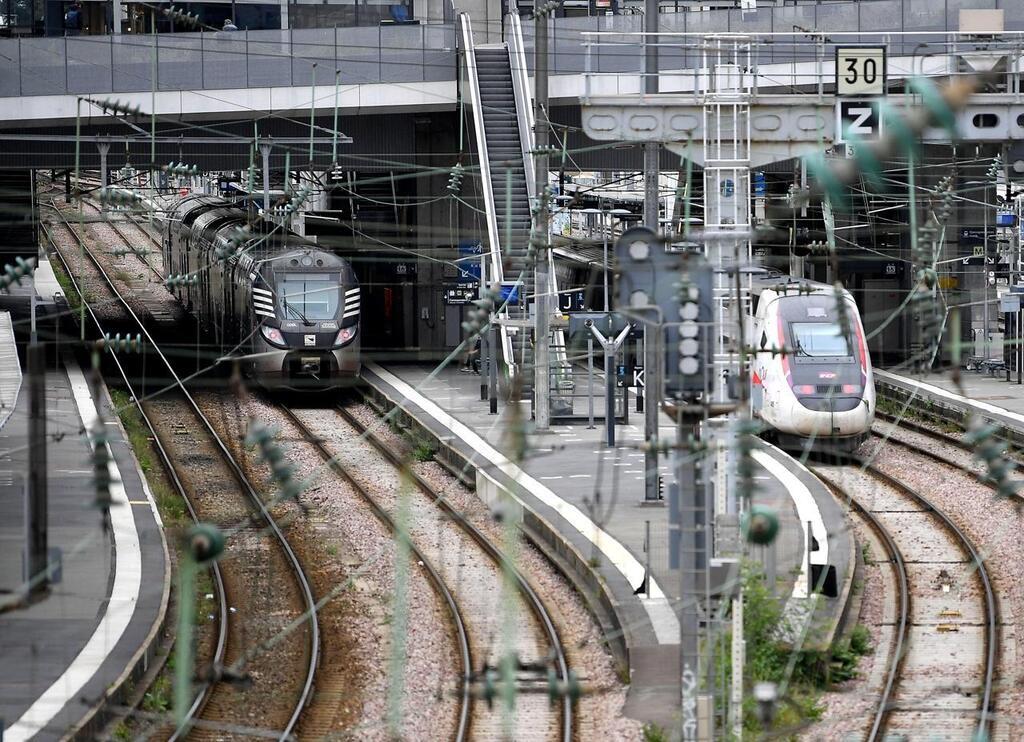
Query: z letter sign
{"x": 858, "y": 121}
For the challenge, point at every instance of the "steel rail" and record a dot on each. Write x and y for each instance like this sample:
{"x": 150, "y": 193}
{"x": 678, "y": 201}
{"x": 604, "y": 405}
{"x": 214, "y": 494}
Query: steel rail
{"x": 897, "y": 654}
{"x": 462, "y": 635}
{"x": 917, "y": 427}
{"x": 218, "y": 579}
{"x": 241, "y": 478}
{"x": 991, "y": 607}
{"x": 532, "y": 599}
{"x": 124, "y": 238}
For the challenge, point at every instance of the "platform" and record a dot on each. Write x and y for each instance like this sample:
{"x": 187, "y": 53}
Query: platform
{"x": 72, "y": 649}
{"x": 992, "y": 397}
{"x": 589, "y": 500}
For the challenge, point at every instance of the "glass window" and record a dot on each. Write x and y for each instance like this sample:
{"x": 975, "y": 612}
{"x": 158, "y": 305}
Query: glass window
{"x": 308, "y": 296}
{"x": 819, "y": 339}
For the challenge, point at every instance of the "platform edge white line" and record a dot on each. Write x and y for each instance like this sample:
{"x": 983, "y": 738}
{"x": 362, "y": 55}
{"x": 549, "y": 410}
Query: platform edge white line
{"x": 659, "y": 610}
{"x": 124, "y": 594}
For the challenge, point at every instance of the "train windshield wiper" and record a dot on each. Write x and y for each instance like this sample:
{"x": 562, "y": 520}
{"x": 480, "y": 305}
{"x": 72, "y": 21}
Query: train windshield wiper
{"x": 290, "y": 308}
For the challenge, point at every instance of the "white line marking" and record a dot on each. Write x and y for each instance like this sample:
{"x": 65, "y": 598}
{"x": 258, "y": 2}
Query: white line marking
{"x": 806, "y": 510}
{"x": 659, "y": 610}
{"x": 123, "y": 596}
{"x": 557, "y": 477}
{"x": 579, "y": 476}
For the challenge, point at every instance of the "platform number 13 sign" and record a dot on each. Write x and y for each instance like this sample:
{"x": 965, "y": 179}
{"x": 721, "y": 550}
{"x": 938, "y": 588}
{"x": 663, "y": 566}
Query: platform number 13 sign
{"x": 860, "y": 70}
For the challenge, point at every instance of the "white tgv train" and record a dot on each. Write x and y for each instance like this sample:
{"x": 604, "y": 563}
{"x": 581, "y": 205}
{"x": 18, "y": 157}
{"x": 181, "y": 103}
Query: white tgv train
{"x": 821, "y": 390}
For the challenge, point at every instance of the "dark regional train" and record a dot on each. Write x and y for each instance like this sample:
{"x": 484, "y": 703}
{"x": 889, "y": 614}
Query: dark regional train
{"x": 288, "y": 308}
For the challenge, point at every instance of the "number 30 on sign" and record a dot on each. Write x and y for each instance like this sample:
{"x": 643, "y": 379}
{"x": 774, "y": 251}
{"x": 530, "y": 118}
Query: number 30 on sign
{"x": 860, "y": 70}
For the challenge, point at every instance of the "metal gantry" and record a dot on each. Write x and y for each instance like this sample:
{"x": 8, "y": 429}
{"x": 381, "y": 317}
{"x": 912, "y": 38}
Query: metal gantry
{"x": 726, "y": 87}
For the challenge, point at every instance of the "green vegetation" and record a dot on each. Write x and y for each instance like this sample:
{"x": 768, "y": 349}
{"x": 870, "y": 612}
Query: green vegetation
{"x": 122, "y": 731}
{"x": 847, "y": 654}
{"x": 423, "y": 451}
{"x": 769, "y": 660}
{"x": 171, "y": 506}
{"x": 66, "y": 286}
{"x": 158, "y": 698}
{"x": 936, "y": 419}
{"x": 422, "y": 447}
{"x": 205, "y": 607}
{"x": 654, "y": 733}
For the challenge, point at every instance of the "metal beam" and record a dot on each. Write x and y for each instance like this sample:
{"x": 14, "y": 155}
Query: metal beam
{"x": 781, "y": 127}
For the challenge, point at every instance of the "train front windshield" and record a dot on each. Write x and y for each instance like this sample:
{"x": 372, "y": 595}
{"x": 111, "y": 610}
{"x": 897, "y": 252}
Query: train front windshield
{"x": 819, "y": 339}
{"x": 308, "y": 296}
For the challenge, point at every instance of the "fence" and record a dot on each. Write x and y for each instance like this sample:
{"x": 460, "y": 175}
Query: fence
{"x": 240, "y": 59}
{"x": 426, "y": 52}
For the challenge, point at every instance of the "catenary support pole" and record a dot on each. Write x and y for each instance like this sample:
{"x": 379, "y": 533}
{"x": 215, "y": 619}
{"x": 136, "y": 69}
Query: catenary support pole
{"x": 652, "y": 385}
{"x": 542, "y": 311}
{"x": 36, "y": 511}
{"x": 104, "y": 148}
{"x": 492, "y": 369}
{"x": 590, "y": 383}
{"x": 609, "y": 398}
{"x": 265, "y": 152}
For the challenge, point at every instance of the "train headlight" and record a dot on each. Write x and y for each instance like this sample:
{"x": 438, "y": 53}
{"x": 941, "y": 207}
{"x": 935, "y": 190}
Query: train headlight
{"x": 345, "y": 335}
{"x": 273, "y": 336}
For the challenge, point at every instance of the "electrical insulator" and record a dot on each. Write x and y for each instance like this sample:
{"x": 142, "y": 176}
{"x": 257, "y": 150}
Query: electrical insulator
{"x": 12, "y": 274}
{"x": 116, "y": 343}
{"x": 180, "y": 168}
{"x": 181, "y": 279}
{"x": 115, "y": 106}
{"x": 101, "y": 467}
{"x": 455, "y": 179}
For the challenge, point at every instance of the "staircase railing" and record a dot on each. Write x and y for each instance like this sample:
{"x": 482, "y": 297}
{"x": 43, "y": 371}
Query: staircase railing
{"x": 524, "y": 113}
{"x": 490, "y": 210}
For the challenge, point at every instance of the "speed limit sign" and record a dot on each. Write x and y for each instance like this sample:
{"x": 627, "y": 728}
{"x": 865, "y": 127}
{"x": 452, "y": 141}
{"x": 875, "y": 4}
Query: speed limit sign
{"x": 860, "y": 70}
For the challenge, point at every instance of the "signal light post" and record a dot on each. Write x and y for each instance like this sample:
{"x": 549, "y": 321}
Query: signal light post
{"x": 685, "y": 324}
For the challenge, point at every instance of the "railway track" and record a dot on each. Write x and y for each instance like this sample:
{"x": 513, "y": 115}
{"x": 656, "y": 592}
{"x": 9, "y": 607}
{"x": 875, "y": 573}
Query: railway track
{"x": 479, "y": 614}
{"x": 384, "y": 515}
{"x": 474, "y": 569}
{"x": 128, "y": 242}
{"x": 942, "y": 653}
{"x": 220, "y": 633}
{"x": 946, "y": 439}
{"x": 262, "y": 610}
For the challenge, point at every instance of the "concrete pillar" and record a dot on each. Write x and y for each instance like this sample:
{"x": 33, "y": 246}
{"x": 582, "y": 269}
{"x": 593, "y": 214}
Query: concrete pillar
{"x": 265, "y": 151}
{"x": 118, "y": 15}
